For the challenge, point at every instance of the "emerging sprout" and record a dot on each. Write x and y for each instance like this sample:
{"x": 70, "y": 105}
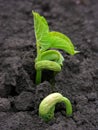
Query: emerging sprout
{"x": 45, "y": 40}
{"x": 47, "y": 106}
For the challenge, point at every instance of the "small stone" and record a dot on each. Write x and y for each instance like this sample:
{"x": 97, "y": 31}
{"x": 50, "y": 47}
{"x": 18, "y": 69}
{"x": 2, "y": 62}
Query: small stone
{"x": 4, "y": 104}
{"x": 81, "y": 100}
{"x": 24, "y": 101}
{"x": 92, "y": 96}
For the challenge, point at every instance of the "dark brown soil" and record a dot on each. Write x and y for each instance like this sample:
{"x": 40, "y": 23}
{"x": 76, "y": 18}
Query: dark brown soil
{"x": 78, "y": 80}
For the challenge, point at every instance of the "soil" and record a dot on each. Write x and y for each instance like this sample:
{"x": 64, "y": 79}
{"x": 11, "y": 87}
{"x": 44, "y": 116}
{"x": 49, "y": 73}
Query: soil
{"x": 19, "y": 95}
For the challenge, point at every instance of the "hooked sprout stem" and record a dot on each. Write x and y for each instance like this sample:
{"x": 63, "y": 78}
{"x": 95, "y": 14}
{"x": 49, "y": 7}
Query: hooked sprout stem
{"x": 47, "y": 106}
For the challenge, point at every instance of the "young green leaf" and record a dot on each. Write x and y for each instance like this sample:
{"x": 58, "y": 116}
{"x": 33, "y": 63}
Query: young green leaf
{"x": 58, "y": 41}
{"x": 47, "y": 106}
{"x": 67, "y": 41}
{"x": 45, "y": 44}
{"x": 40, "y": 25}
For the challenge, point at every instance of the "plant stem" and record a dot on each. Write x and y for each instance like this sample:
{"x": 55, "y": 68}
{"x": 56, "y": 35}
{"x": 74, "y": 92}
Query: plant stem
{"x": 68, "y": 106}
{"x": 38, "y": 72}
{"x": 38, "y": 76}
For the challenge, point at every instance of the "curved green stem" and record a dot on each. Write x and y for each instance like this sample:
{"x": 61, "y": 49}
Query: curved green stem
{"x": 68, "y": 106}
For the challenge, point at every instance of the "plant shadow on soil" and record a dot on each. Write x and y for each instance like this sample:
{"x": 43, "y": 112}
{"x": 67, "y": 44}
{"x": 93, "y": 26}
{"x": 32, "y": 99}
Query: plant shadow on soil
{"x": 78, "y": 80}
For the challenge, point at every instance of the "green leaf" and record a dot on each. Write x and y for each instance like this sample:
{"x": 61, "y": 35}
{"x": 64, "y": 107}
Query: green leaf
{"x": 40, "y": 26}
{"x": 60, "y": 35}
{"x": 46, "y": 39}
{"x": 59, "y": 41}
{"x": 52, "y": 55}
{"x": 45, "y": 43}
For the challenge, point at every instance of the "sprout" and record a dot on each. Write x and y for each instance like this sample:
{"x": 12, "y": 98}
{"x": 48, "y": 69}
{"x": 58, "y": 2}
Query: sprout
{"x": 45, "y": 40}
{"x": 47, "y": 106}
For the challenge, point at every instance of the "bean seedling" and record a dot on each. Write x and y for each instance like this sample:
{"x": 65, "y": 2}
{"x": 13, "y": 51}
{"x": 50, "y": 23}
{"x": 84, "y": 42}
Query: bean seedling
{"x": 47, "y": 106}
{"x": 46, "y": 42}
